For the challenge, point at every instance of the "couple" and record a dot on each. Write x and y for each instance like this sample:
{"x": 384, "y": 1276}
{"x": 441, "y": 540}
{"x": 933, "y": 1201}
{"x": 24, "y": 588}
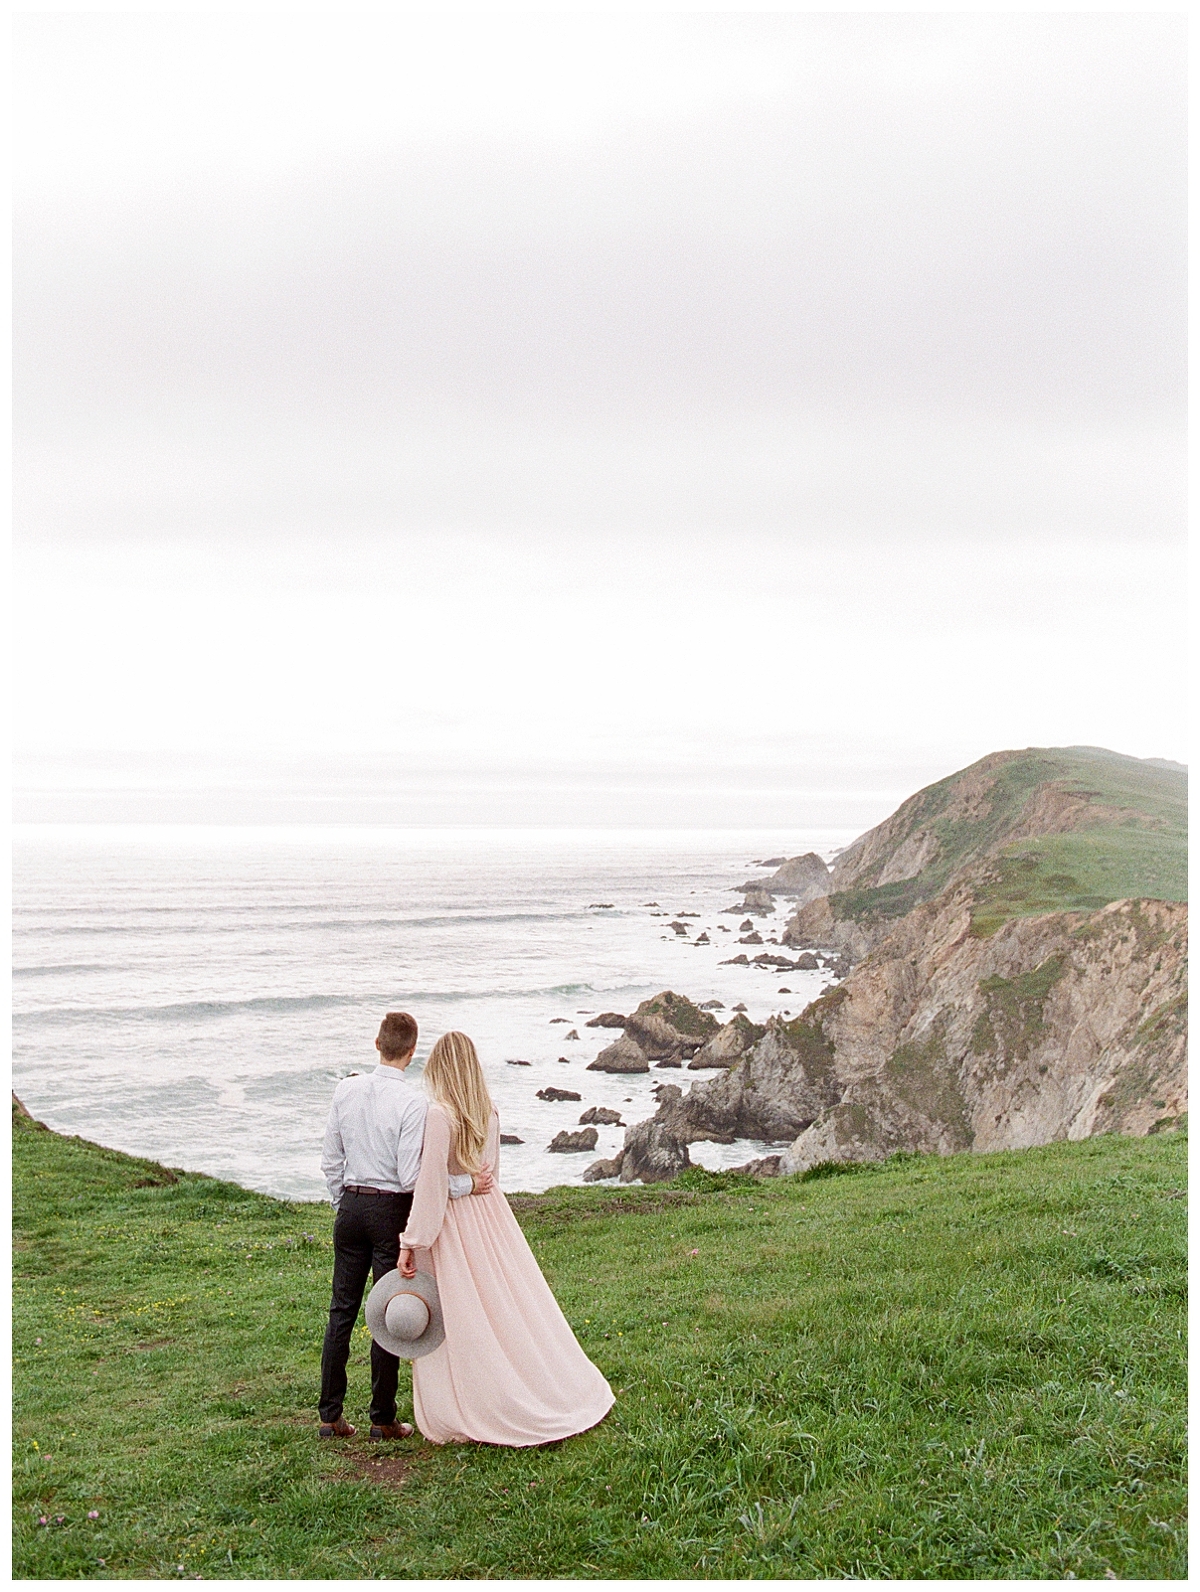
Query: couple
{"x": 412, "y": 1176}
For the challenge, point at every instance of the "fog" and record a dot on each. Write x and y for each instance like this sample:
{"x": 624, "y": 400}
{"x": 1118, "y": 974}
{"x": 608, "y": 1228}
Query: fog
{"x": 699, "y": 419}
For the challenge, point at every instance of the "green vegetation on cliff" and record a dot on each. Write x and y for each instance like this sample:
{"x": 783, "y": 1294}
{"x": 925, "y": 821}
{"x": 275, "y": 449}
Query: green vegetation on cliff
{"x": 1134, "y": 847}
{"x": 961, "y": 1367}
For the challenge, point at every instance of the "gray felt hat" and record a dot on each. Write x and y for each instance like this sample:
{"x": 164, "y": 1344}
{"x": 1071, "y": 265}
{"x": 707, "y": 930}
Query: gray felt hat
{"x": 404, "y": 1314}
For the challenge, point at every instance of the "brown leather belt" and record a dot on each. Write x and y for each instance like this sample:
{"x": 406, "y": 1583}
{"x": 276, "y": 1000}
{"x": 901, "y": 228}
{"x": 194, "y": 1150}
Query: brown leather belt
{"x": 354, "y": 1188}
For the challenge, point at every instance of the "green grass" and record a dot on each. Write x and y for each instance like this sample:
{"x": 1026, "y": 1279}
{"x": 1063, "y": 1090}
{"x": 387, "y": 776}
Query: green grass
{"x": 1081, "y": 871}
{"x": 970, "y": 1367}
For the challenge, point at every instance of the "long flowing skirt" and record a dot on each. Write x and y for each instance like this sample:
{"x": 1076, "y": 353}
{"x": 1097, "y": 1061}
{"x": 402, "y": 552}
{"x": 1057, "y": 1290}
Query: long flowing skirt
{"x": 510, "y": 1370}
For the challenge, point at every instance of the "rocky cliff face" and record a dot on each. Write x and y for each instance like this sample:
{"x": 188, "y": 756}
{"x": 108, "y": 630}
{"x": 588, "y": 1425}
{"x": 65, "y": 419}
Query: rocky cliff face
{"x": 973, "y": 1021}
{"x": 1054, "y": 1027}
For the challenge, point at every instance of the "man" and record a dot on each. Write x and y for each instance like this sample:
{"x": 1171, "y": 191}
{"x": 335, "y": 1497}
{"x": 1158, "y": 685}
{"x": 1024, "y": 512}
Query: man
{"x": 371, "y": 1158}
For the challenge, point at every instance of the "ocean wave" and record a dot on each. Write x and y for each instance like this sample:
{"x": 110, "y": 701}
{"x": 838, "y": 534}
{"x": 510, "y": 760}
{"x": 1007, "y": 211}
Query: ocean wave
{"x": 184, "y": 1011}
{"x": 254, "y": 918}
{"x": 67, "y": 967}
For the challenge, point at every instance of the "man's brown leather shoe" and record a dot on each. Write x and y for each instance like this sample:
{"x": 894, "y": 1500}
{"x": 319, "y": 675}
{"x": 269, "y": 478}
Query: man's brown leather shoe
{"x": 339, "y": 1428}
{"x": 396, "y": 1429}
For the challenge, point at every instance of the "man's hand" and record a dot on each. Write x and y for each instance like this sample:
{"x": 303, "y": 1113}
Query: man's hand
{"x": 482, "y": 1182}
{"x": 407, "y": 1264}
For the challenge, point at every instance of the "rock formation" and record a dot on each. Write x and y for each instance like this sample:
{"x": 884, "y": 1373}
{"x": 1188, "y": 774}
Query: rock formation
{"x": 604, "y": 1115}
{"x": 1056, "y": 1026}
{"x": 623, "y": 1055}
{"x": 729, "y": 1043}
{"x": 583, "y": 1140}
{"x": 803, "y": 878}
{"x": 758, "y": 903}
{"x": 657, "y": 1149}
{"x": 1001, "y": 1000}
{"x": 666, "y": 1029}
{"x": 558, "y": 1094}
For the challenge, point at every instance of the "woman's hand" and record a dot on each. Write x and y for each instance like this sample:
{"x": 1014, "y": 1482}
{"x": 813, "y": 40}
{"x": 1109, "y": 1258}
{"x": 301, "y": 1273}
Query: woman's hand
{"x": 407, "y": 1264}
{"x": 481, "y": 1182}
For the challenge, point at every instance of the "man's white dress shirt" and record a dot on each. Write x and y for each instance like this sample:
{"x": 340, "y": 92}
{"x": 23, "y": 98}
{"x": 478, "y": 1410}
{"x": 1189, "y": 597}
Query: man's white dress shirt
{"x": 373, "y": 1135}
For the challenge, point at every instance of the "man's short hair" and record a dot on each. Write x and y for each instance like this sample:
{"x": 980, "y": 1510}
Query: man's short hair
{"x": 397, "y": 1035}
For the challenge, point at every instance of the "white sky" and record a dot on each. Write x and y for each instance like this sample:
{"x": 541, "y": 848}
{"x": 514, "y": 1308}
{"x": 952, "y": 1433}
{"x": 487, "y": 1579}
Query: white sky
{"x": 721, "y": 418}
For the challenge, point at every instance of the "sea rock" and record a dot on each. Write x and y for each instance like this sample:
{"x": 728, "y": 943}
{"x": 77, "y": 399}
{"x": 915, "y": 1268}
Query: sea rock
{"x": 584, "y": 1140}
{"x": 747, "y": 927}
{"x": 712, "y": 1006}
{"x": 574, "y": 1034}
{"x": 604, "y": 1115}
{"x": 783, "y": 990}
{"x": 518, "y": 1064}
{"x": 564, "y": 1061}
{"x": 558, "y": 1094}
{"x": 510, "y": 1138}
{"x": 806, "y": 962}
{"x": 605, "y": 1020}
{"x": 758, "y": 902}
{"x": 602, "y": 1169}
{"x": 771, "y": 959}
{"x": 554, "y": 1020}
{"x": 623, "y": 1055}
{"x": 702, "y": 939}
{"x": 741, "y": 960}
{"x": 667, "y": 1028}
{"x": 753, "y": 938}
{"x": 680, "y": 928}
{"x": 727, "y": 1044}
{"x": 781, "y": 1084}
{"x": 652, "y": 1153}
{"x": 668, "y": 1024}
{"x": 802, "y": 878}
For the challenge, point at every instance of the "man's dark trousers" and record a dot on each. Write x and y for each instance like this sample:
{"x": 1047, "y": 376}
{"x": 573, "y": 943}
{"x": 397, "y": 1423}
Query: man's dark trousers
{"x": 366, "y": 1236}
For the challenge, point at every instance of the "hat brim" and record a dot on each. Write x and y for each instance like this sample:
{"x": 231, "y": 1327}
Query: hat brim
{"x": 424, "y": 1285}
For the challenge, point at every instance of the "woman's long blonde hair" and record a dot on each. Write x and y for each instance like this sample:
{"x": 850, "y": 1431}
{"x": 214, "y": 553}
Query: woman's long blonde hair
{"x": 454, "y": 1078}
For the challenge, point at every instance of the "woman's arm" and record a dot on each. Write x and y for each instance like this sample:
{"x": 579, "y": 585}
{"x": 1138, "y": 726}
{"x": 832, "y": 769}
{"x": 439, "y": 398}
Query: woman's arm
{"x": 491, "y": 1151}
{"x": 433, "y": 1186}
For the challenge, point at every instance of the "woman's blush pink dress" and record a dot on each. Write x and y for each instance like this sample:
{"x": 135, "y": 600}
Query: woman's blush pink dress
{"x": 510, "y": 1370}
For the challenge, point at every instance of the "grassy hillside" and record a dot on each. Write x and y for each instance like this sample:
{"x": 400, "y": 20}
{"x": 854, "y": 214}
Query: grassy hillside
{"x": 960, "y": 1367}
{"x": 1143, "y": 853}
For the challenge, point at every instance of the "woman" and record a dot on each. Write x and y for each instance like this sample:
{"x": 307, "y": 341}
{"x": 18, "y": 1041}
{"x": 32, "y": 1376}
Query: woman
{"x": 510, "y": 1369}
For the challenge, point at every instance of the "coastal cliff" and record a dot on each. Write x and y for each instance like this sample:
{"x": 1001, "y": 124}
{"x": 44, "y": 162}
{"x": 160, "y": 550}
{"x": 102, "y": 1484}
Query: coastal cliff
{"x": 1011, "y": 988}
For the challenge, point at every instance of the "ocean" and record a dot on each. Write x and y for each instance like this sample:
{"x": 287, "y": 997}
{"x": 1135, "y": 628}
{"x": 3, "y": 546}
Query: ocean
{"x": 192, "y": 994}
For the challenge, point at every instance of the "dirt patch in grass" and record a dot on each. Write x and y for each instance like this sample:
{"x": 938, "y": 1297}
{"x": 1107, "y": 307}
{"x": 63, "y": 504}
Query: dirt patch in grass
{"x": 382, "y": 1467}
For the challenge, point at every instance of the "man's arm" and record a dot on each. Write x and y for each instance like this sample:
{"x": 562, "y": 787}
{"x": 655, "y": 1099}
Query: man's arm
{"x": 333, "y": 1156}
